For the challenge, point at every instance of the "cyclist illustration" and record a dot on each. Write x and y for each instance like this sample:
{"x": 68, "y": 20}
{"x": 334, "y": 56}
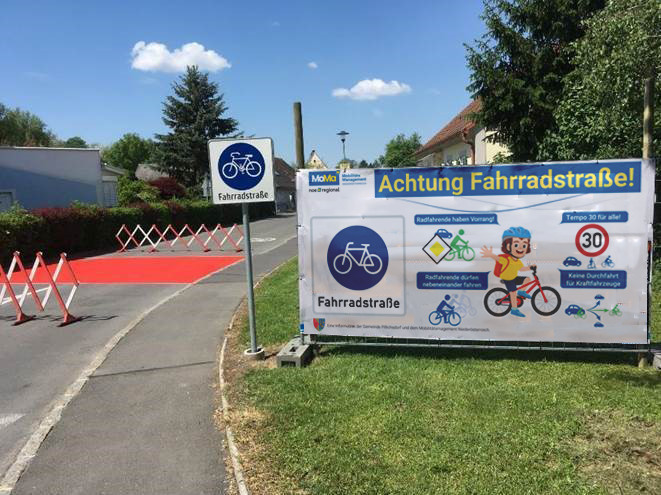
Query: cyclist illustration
{"x": 242, "y": 164}
{"x": 608, "y": 263}
{"x": 463, "y": 305}
{"x": 445, "y": 313}
{"x": 592, "y": 265}
{"x": 460, "y": 248}
{"x": 371, "y": 263}
{"x": 515, "y": 245}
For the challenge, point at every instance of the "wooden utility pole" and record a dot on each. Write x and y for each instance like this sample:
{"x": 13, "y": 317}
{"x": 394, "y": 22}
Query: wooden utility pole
{"x": 648, "y": 118}
{"x": 298, "y": 134}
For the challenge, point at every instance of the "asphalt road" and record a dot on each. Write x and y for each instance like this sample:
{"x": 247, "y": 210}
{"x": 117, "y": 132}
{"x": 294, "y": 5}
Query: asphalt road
{"x": 39, "y": 360}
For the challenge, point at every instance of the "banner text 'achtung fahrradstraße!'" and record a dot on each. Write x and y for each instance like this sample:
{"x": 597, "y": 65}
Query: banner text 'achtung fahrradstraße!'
{"x": 561, "y": 178}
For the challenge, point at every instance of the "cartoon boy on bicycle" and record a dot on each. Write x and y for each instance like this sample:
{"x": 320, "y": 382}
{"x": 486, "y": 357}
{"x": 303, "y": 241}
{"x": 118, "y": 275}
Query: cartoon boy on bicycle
{"x": 515, "y": 245}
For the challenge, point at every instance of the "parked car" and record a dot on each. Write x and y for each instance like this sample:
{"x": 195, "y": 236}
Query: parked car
{"x": 571, "y": 261}
{"x": 444, "y": 234}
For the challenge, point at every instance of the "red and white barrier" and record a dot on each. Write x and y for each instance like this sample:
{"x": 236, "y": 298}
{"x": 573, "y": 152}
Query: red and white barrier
{"x": 153, "y": 237}
{"x": 29, "y": 286}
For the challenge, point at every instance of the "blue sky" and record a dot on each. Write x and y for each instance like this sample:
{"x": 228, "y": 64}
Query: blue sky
{"x": 71, "y": 64}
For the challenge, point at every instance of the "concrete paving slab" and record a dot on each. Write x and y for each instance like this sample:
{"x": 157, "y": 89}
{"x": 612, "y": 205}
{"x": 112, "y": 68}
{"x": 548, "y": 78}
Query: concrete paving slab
{"x": 133, "y": 433}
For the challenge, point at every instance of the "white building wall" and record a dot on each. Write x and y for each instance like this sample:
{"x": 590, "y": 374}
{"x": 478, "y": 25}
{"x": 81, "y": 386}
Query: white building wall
{"x": 46, "y": 177}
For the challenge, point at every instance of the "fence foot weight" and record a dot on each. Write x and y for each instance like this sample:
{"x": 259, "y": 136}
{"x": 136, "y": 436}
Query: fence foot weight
{"x": 23, "y": 318}
{"x": 68, "y": 320}
{"x": 295, "y": 354}
{"x": 656, "y": 359}
{"x": 644, "y": 360}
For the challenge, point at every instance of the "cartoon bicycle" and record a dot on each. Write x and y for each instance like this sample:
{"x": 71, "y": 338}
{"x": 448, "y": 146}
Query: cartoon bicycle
{"x": 545, "y": 300}
{"x": 371, "y": 263}
{"x": 452, "y": 318}
{"x": 242, "y": 164}
{"x": 608, "y": 263}
{"x": 462, "y": 252}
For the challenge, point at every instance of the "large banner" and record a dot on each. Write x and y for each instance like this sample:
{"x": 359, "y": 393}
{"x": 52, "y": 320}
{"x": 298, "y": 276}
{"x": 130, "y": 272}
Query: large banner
{"x": 552, "y": 252}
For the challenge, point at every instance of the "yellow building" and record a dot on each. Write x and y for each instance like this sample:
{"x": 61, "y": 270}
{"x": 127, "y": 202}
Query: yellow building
{"x": 459, "y": 142}
{"x": 315, "y": 162}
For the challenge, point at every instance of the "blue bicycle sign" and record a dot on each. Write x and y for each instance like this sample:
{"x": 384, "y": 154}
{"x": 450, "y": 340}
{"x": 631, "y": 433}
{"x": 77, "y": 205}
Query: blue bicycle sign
{"x": 241, "y": 166}
{"x": 357, "y": 257}
{"x": 371, "y": 263}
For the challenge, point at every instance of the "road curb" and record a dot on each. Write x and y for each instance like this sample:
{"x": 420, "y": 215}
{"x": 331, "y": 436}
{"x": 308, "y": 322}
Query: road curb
{"x": 231, "y": 444}
{"x": 57, "y": 407}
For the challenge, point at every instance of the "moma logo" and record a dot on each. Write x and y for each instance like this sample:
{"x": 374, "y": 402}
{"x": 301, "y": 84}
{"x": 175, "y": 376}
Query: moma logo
{"x": 324, "y": 178}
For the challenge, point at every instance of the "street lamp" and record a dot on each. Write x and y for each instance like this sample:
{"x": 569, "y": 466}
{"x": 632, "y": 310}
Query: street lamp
{"x": 343, "y": 137}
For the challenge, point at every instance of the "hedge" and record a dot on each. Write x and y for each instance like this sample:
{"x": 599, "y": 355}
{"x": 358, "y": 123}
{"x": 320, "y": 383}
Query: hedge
{"x": 82, "y": 228}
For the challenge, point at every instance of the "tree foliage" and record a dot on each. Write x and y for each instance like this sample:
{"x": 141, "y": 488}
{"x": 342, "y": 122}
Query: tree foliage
{"x": 518, "y": 67}
{"x": 128, "y": 152}
{"x": 194, "y": 115}
{"x": 22, "y": 128}
{"x": 399, "y": 151}
{"x": 600, "y": 115}
{"x": 75, "y": 142}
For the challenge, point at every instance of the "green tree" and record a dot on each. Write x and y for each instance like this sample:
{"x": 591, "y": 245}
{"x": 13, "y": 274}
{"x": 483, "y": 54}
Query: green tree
{"x": 601, "y": 111}
{"x": 518, "y": 67}
{"x": 128, "y": 152}
{"x": 194, "y": 115}
{"x": 399, "y": 151}
{"x": 21, "y": 128}
{"x": 75, "y": 142}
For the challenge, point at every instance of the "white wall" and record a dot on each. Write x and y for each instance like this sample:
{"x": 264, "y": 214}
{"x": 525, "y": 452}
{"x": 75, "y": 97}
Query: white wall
{"x": 44, "y": 177}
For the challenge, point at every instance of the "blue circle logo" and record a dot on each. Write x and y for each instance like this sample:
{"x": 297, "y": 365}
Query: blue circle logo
{"x": 357, "y": 258}
{"x": 241, "y": 166}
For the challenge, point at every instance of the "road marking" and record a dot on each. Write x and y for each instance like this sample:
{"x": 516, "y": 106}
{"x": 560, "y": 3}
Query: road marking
{"x": 8, "y": 419}
{"x": 29, "y": 450}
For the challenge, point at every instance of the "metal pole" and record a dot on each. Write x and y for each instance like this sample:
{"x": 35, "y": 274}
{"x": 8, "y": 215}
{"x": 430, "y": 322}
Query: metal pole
{"x": 648, "y": 118}
{"x": 298, "y": 134}
{"x": 249, "y": 278}
{"x": 344, "y": 153}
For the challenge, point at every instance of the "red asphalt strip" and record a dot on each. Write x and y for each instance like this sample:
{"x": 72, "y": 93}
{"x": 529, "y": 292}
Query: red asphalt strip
{"x": 139, "y": 270}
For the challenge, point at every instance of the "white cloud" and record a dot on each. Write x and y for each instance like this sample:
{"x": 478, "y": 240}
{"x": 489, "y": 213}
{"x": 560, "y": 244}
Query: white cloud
{"x": 371, "y": 89}
{"x": 312, "y": 65}
{"x": 156, "y": 57}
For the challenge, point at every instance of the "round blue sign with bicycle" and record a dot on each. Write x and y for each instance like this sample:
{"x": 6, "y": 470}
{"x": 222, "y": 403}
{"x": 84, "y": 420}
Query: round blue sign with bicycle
{"x": 357, "y": 258}
{"x": 241, "y": 166}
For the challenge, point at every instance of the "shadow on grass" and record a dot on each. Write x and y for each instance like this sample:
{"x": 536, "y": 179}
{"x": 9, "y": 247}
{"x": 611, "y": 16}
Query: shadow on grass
{"x": 648, "y": 380}
{"x": 485, "y": 354}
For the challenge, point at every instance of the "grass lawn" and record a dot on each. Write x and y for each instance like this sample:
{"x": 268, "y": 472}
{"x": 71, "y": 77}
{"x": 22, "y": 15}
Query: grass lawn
{"x": 443, "y": 421}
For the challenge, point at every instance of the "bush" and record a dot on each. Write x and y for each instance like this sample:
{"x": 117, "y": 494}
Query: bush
{"x": 168, "y": 188}
{"x": 80, "y": 227}
{"x": 131, "y": 192}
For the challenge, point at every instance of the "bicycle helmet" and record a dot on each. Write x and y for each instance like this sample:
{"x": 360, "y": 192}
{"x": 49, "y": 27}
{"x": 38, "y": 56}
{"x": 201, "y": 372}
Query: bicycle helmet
{"x": 521, "y": 232}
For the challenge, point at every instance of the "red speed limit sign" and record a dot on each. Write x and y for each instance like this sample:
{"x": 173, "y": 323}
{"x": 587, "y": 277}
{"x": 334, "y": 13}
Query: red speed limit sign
{"x": 592, "y": 240}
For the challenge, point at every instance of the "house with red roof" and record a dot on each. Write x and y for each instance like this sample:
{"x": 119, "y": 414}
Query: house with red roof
{"x": 459, "y": 142}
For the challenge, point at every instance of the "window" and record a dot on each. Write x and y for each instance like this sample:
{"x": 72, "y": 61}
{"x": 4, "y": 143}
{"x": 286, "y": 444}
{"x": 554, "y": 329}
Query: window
{"x": 6, "y": 200}
{"x": 109, "y": 194}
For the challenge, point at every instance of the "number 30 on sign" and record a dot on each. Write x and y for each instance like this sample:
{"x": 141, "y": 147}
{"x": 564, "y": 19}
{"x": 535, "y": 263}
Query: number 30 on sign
{"x": 592, "y": 240}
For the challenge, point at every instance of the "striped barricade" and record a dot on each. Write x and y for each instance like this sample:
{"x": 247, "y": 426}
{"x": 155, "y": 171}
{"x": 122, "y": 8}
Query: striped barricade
{"x": 153, "y": 237}
{"x": 29, "y": 283}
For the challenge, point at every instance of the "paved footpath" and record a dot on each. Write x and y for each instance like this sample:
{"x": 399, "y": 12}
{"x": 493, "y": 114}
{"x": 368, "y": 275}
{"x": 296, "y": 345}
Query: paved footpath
{"x": 143, "y": 423}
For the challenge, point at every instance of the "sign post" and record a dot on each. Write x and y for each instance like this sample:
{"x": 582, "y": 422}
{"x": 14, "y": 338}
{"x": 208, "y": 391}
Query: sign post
{"x": 242, "y": 172}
